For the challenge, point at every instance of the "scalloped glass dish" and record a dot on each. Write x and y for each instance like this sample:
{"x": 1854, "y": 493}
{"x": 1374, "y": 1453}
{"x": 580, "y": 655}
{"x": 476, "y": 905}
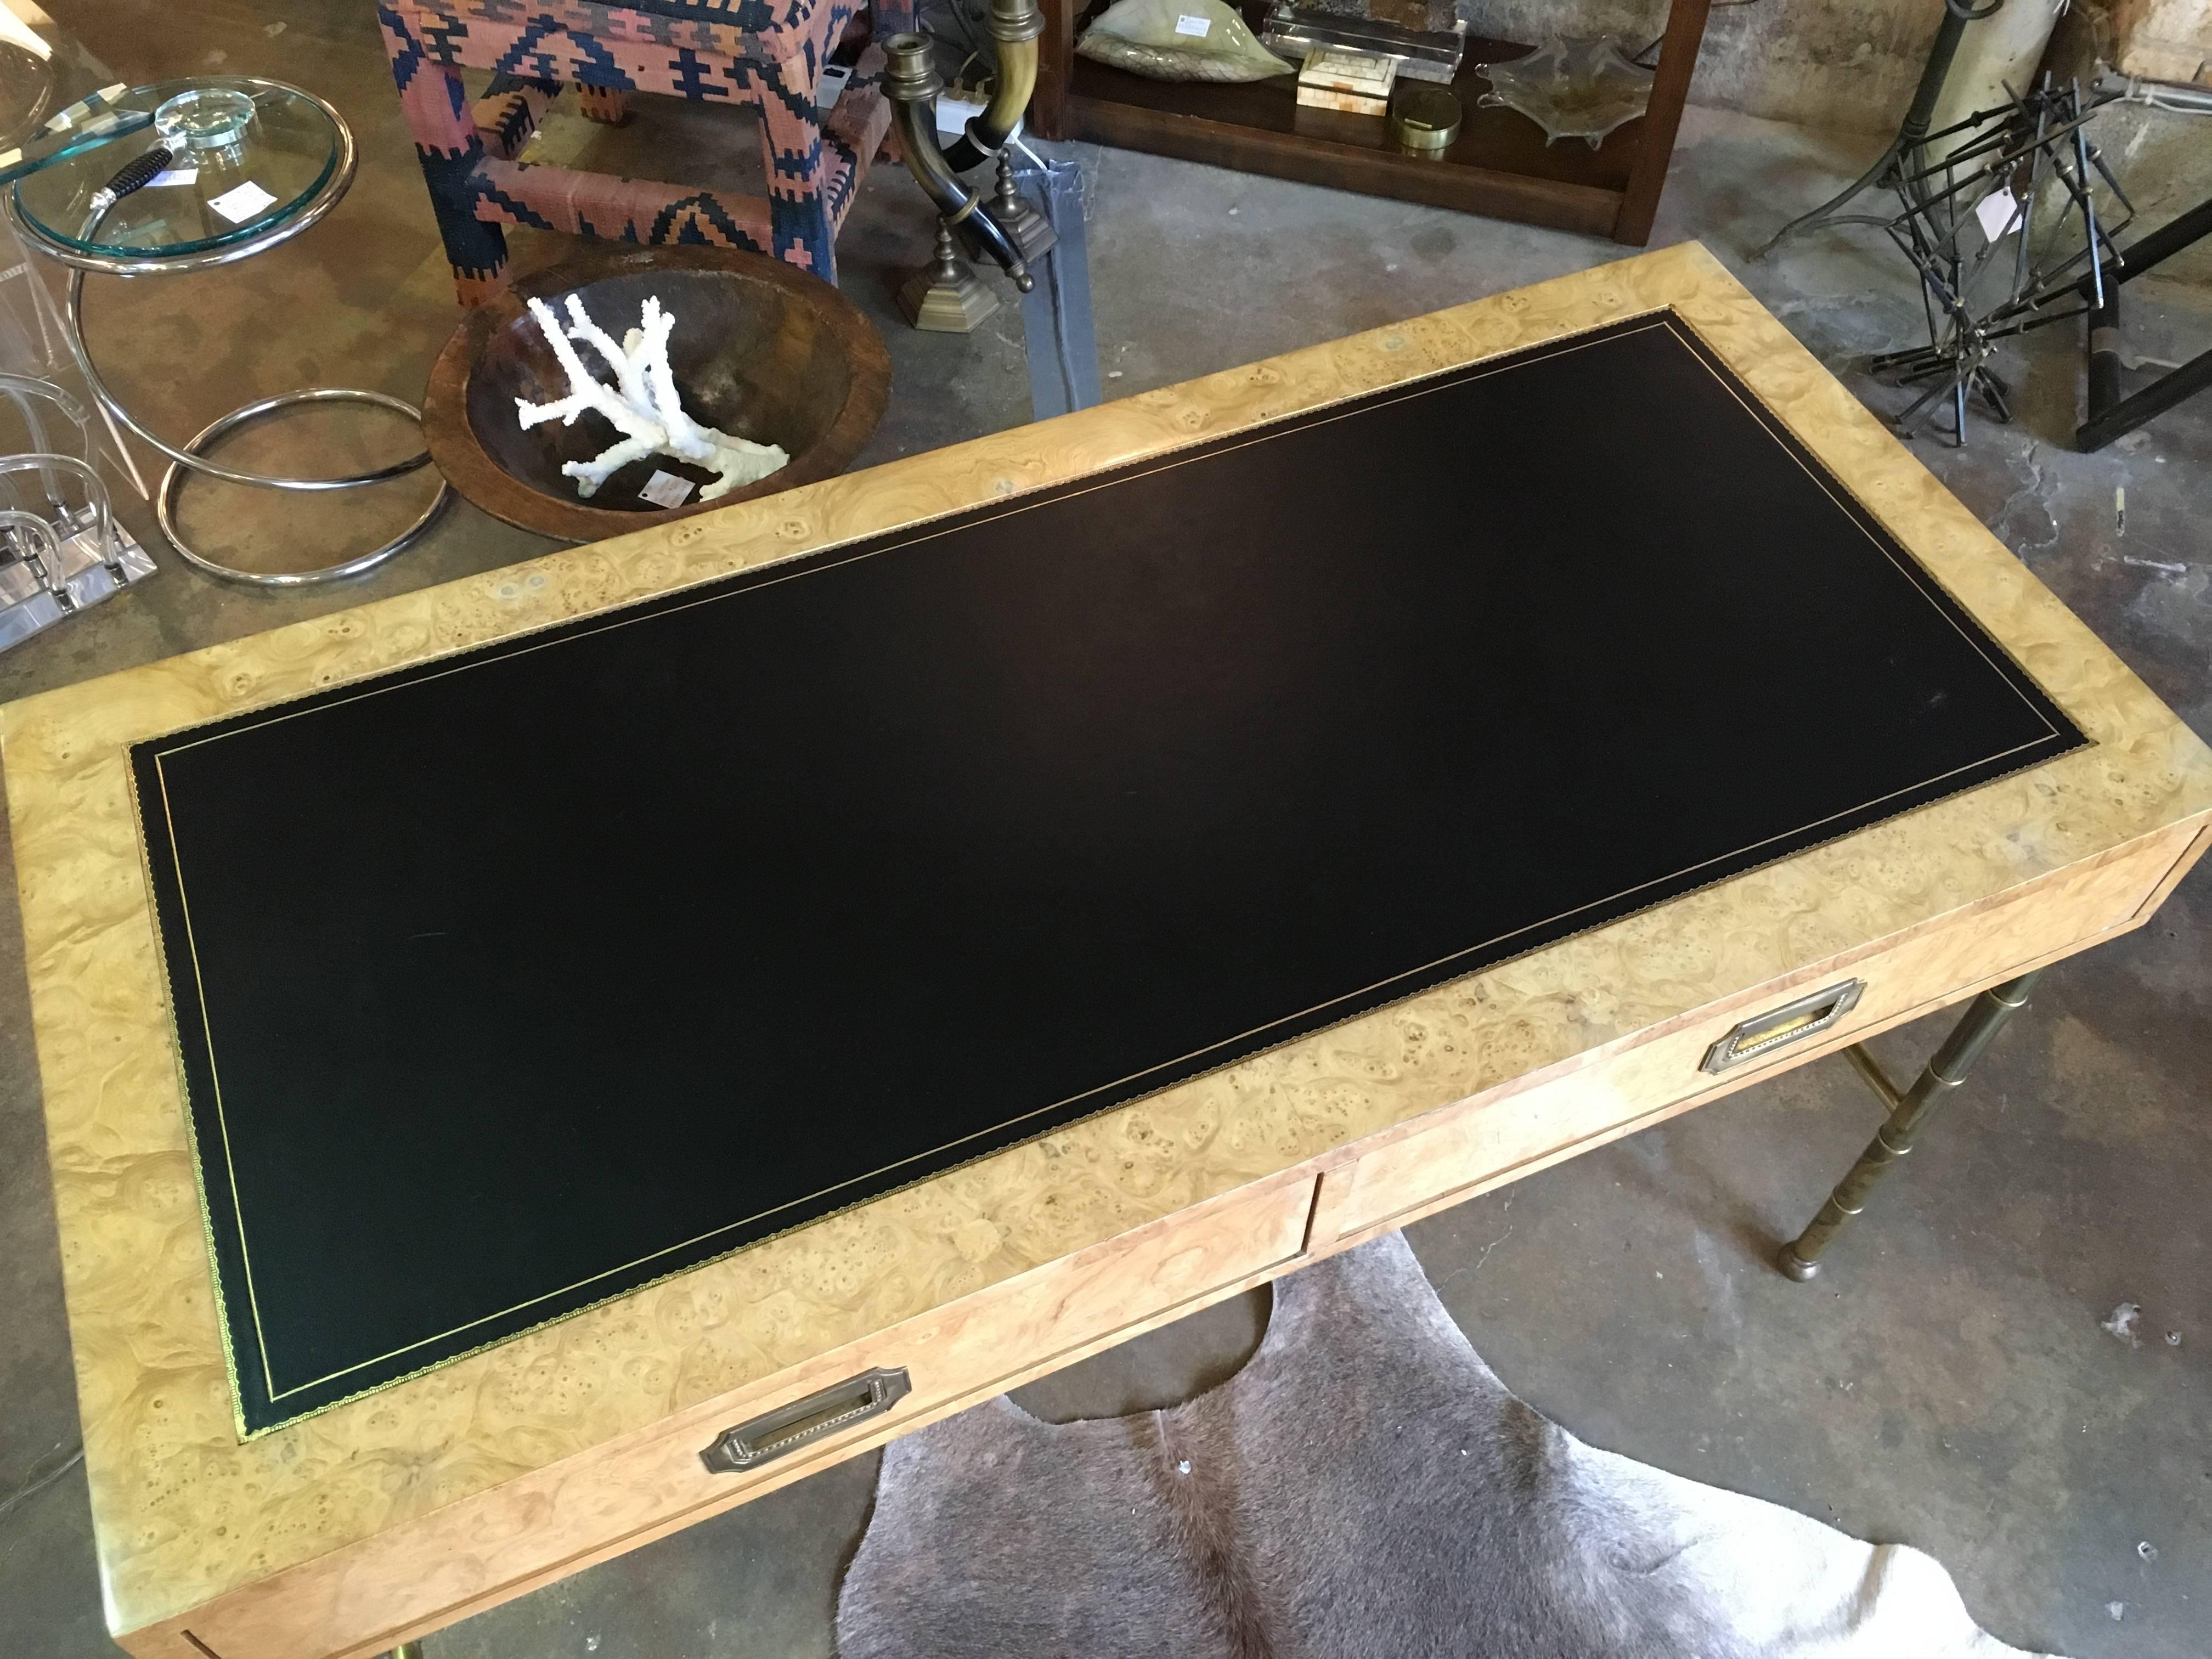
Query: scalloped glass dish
{"x": 1572, "y": 88}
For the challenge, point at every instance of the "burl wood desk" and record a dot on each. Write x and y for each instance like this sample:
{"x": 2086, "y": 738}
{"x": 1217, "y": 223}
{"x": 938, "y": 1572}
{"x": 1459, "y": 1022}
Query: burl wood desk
{"x": 1134, "y": 856}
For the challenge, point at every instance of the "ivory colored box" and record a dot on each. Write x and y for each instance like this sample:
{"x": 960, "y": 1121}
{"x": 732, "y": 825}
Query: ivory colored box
{"x": 1355, "y": 81}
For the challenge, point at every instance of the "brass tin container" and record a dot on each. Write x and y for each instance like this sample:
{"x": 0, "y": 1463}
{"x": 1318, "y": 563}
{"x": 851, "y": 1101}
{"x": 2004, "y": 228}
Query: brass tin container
{"x": 1425, "y": 118}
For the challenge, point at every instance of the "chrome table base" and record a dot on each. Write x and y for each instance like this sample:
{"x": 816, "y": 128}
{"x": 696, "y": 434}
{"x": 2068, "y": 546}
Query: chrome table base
{"x": 194, "y": 457}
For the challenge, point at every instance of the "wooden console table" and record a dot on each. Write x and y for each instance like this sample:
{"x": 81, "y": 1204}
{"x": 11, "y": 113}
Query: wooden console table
{"x": 1499, "y": 166}
{"x": 343, "y": 1524}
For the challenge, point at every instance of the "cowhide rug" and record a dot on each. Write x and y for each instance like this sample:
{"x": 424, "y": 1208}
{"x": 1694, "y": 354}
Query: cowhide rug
{"x": 1365, "y": 1486}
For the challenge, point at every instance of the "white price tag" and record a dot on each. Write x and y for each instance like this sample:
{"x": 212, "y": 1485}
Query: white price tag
{"x": 1999, "y": 212}
{"x": 173, "y": 176}
{"x": 1199, "y": 27}
{"x": 248, "y": 201}
{"x": 666, "y": 489}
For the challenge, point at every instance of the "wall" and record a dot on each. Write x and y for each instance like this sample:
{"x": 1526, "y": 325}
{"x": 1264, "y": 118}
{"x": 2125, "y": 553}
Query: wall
{"x": 2163, "y": 159}
{"x": 2164, "y": 40}
{"x": 1846, "y": 64}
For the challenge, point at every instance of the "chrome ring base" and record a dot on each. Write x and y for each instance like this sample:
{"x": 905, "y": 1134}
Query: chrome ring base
{"x": 164, "y": 500}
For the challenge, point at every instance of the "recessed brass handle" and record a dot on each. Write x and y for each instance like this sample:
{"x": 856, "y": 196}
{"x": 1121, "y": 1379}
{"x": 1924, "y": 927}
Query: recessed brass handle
{"x": 1778, "y": 1028}
{"x": 764, "y": 1438}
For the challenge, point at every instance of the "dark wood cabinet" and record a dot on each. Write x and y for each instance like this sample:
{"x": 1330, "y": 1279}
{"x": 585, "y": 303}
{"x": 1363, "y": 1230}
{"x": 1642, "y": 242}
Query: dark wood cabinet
{"x": 1500, "y": 165}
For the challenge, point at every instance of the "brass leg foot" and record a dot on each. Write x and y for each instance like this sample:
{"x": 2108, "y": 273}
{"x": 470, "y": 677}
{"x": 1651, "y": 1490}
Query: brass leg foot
{"x": 1794, "y": 1266}
{"x": 406, "y": 1650}
{"x": 1991, "y": 1012}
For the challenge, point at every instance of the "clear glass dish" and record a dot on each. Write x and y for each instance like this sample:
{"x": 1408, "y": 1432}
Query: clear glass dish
{"x": 1572, "y": 88}
{"x": 205, "y": 118}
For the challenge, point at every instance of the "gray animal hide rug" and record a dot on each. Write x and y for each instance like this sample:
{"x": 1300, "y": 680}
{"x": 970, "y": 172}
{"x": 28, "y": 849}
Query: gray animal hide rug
{"x": 1364, "y": 1488}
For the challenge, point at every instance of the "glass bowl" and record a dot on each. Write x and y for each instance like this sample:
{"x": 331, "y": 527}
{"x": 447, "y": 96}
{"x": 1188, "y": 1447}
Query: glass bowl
{"x": 1572, "y": 88}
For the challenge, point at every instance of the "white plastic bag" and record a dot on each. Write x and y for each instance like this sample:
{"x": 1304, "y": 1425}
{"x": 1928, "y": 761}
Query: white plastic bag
{"x": 1179, "y": 40}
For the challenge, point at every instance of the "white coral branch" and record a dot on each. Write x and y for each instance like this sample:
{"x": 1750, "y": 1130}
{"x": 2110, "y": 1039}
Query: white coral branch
{"x": 590, "y": 475}
{"x": 685, "y": 435}
{"x": 643, "y": 405}
{"x": 642, "y": 434}
{"x": 630, "y": 373}
{"x": 738, "y": 462}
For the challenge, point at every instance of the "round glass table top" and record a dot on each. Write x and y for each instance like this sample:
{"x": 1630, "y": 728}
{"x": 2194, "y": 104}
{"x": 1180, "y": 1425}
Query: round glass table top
{"x": 245, "y": 157}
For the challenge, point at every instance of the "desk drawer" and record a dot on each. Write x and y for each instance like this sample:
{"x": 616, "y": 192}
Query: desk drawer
{"x": 361, "y": 1601}
{"x": 1484, "y": 1141}
{"x": 1001, "y": 1337}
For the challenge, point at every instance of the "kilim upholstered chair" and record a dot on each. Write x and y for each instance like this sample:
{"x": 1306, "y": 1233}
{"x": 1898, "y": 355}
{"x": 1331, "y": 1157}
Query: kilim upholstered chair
{"x": 767, "y": 53}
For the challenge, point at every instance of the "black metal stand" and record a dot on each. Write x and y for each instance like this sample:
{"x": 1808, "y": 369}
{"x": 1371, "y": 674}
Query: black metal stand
{"x": 1894, "y": 165}
{"x": 2112, "y": 415}
{"x": 2006, "y": 153}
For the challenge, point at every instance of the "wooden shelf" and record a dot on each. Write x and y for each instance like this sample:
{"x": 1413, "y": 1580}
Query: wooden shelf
{"x": 1500, "y": 165}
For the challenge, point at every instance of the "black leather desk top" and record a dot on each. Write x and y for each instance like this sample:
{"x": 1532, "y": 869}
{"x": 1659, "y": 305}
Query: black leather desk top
{"x": 512, "y": 981}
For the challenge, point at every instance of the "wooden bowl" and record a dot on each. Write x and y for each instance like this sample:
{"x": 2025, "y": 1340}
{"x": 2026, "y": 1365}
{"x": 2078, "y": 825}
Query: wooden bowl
{"x": 760, "y": 349}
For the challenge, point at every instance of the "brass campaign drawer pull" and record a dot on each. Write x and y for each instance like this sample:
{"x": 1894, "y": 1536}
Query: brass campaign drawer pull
{"x": 764, "y": 1438}
{"x": 1778, "y": 1028}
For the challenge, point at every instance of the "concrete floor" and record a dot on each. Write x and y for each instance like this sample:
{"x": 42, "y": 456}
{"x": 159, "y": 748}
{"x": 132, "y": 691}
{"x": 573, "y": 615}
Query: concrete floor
{"x": 1946, "y": 1385}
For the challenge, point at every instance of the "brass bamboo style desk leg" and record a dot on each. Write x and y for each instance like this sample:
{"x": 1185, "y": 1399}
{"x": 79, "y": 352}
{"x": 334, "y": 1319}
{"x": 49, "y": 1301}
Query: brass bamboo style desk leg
{"x": 1991, "y": 1012}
